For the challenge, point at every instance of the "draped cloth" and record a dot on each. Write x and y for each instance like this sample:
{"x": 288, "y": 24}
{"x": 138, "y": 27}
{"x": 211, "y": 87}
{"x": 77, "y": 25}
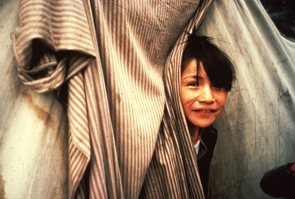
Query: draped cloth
{"x": 256, "y": 128}
{"x": 110, "y": 56}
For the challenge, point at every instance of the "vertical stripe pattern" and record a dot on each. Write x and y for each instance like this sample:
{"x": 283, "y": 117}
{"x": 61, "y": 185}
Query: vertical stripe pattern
{"x": 111, "y": 54}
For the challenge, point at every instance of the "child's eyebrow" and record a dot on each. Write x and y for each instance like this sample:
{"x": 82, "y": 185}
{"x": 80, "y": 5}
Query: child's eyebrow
{"x": 197, "y": 77}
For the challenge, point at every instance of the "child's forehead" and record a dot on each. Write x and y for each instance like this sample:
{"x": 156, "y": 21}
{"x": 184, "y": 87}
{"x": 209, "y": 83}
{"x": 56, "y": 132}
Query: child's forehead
{"x": 193, "y": 67}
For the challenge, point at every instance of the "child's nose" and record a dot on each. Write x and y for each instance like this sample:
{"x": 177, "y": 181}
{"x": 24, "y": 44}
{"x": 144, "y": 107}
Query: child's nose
{"x": 206, "y": 95}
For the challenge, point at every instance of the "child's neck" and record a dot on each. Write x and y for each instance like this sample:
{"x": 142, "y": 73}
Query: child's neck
{"x": 194, "y": 132}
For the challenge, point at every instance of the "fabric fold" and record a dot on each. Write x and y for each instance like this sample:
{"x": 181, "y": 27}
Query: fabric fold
{"x": 111, "y": 54}
{"x": 174, "y": 163}
{"x": 52, "y": 45}
{"x": 48, "y": 29}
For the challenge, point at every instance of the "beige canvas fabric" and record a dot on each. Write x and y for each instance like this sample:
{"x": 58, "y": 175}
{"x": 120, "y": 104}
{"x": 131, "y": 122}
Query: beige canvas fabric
{"x": 111, "y": 55}
{"x": 256, "y": 129}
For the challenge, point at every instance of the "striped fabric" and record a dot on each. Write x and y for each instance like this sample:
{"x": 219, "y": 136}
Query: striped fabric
{"x": 111, "y": 54}
{"x": 174, "y": 162}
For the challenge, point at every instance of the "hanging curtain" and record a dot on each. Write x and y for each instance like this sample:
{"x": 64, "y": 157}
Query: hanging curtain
{"x": 108, "y": 58}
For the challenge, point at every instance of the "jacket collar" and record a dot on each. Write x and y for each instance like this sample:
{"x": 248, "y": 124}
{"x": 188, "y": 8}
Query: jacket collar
{"x": 208, "y": 137}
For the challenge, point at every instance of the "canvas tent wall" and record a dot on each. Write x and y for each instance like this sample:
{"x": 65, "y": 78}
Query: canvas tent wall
{"x": 33, "y": 128}
{"x": 256, "y": 127}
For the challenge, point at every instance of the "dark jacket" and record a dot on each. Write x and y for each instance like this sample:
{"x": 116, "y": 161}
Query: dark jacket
{"x": 279, "y": 182}
{"x": 207, "y": 144}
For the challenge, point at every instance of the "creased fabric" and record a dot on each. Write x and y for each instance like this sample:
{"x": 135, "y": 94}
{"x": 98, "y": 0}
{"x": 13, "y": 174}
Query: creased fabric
{"x": 174, "y": 142}
{"x": 111, "y": 55}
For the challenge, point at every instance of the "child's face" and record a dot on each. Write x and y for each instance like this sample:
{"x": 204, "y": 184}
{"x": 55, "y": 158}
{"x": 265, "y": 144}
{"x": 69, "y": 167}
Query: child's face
{"x": 202, "y": 102}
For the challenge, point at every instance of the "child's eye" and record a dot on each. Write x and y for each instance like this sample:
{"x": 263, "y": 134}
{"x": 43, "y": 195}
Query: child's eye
{"x": 193, "y": 84}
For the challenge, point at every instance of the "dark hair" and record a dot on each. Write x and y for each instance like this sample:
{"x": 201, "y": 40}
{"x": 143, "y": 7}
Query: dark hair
{"x": 217, "y": 64}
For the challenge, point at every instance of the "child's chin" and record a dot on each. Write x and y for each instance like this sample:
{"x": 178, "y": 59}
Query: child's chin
{"x": 205, "y": 123}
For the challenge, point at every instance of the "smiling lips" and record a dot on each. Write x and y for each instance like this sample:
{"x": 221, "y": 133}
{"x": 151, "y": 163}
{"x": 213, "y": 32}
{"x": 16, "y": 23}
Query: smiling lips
{"x": 205, "y": 113}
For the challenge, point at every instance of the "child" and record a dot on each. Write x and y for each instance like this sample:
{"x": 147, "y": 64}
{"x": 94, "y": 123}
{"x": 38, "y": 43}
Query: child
{"x": 206, "y": 77}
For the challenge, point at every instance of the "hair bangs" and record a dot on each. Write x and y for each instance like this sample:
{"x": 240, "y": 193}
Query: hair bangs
{"x": 217, "y": 64}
